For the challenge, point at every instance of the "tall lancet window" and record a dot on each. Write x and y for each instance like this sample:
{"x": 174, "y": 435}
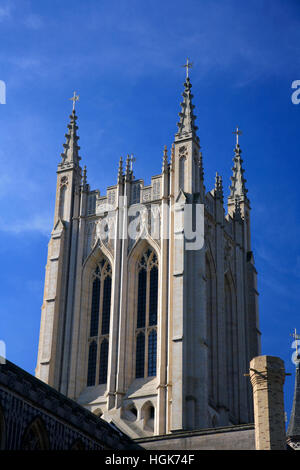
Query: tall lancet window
{"x": 212, "y": 331}
{"x": 231, "y": 348}
{"x": 146, "y": 323}
{"x": 99, "y": 324}
{"x": 181, "y": 172}
{"x": 62, "y": 197}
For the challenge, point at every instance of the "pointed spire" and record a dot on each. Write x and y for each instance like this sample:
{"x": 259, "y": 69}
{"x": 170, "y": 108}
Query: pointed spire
{"x": 238, "y": 181}
{"x": 219, "y": 187}
{"x": 165, "y": 164}
{"x": 120, "y": 171}
{"x": 85, "y": 185}
{"x": 186, "y": 124}
{"x": 70, "y": 154}
{"x": 132, "y": 159}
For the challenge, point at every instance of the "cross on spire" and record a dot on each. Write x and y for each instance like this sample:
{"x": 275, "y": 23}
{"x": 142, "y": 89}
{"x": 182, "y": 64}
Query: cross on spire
{"x": 187, "y": 65}
{"x": 237, "y": 132}
{"x": 74, "y": 99}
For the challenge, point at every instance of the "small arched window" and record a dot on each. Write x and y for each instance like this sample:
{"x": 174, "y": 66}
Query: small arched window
{"x": 146, "y": 334}
{"x": 99, "y": 324}
{"x": 148, "y": 416}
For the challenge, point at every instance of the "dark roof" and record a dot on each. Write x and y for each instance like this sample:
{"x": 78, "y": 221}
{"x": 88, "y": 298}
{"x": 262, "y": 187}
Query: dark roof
{"x": 46, "y": 398}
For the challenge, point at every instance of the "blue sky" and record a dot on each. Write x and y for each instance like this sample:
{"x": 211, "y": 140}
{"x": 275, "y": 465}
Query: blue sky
{"x": 124, "y": 58}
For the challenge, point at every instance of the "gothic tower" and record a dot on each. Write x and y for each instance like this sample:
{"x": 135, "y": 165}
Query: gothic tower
{"x": 150, "y": 312}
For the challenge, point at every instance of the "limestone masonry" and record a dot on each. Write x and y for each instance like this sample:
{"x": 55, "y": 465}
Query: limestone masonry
{"x": 140, "y": 330}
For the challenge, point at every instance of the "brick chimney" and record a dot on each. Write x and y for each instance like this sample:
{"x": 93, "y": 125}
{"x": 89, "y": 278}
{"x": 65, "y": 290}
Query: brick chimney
{"x": 267, "y": 376}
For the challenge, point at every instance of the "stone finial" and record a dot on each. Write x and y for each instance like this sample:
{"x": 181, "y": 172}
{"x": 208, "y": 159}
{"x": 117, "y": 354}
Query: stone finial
{"x": 84, "y": 185}
{"x": 219, "y": 187}
{"x": 120, "y": 171}
{"x": 267, "y": 375}
{"x": 172, "y": 157}
{"x": 127, "y": 169}
{"x": 165, "y": 164}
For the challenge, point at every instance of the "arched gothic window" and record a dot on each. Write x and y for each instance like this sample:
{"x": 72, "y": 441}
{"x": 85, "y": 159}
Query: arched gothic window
{"x": 212, "y": 331}
{"x": 99, "y": 324}
{"x": 146, "y": 325}
{"x": 35, "y": 436}
{"x": 78, "y": 445}
{"x": 148, "y": 416}
{"x": 136, "y": 193}
{"x": 231, "y": 348}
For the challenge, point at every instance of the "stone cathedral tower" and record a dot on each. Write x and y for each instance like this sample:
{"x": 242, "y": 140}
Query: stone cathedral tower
{"x": 140, "y": 329}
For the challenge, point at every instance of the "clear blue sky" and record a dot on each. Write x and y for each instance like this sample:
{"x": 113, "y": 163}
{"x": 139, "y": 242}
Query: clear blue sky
{"x": 124, "y": 58}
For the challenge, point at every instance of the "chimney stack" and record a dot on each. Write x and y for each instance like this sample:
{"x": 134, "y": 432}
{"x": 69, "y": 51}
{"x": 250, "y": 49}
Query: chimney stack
{"x": 267, "y": 376}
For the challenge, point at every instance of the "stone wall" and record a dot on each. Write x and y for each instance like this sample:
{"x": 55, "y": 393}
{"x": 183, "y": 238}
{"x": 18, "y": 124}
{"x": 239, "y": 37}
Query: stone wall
{"x": 227, "y": 438}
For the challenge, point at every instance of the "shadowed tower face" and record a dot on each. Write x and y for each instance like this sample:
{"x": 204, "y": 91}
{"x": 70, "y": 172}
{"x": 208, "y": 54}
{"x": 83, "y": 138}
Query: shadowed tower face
{"x": 136, "y": 326}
